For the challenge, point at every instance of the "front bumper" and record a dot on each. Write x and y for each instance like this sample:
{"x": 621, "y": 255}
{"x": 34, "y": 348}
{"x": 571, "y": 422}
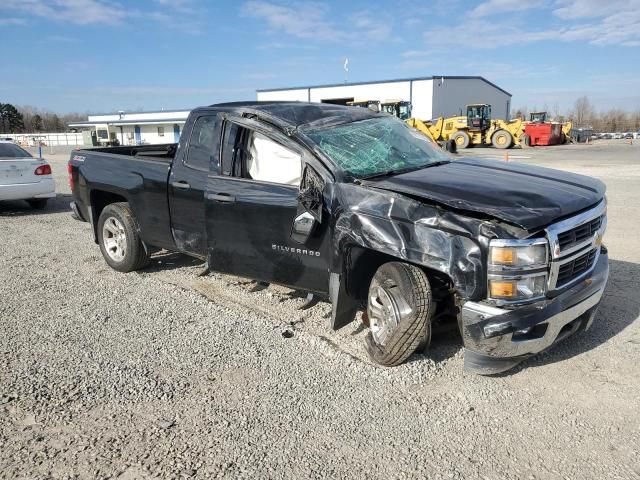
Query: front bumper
{"x": 45, "y": 188}
{"x": 497, "y": 339}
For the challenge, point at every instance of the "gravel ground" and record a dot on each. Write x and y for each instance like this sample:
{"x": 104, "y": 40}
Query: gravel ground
{"x": 164, "y": 374}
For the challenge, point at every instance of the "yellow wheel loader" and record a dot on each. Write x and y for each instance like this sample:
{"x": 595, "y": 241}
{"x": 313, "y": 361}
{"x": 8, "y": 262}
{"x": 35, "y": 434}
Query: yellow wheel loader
{"x": 397, "y": 108}
{"x": 474, "y": 129}
{"x": 370, "y": 104}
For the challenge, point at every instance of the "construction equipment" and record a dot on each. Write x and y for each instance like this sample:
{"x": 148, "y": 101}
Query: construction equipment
{"x": 370, "y": 104}
{"x": 397, "y": 108}
{"x": 538, "y": 131}
{"x": 538, "y": 117}
{"x": 476, "y": 128}
{"x": 566, "y": 132}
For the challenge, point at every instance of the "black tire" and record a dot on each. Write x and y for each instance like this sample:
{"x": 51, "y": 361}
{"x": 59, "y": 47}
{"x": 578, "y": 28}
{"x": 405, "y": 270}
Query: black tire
{"x": 461, "y": 139}
{"x": 38, "y": 203}
{"x": 502, "y": 139}
{"x": 409, "y": 284}
{"x": 450, "y": 146}
{"x": 134, "y": 256}
{"x": 526, "y": 140}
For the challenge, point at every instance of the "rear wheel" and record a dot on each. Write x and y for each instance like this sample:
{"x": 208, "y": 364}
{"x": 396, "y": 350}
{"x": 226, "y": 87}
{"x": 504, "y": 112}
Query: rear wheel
{"x": 399, "y": 307}
{"x": 526, "y": 140}
{"x": 502, "y": 139}
{"x": 119, "y": 240}
{"x": 461, "y": 139}
{"x": 38, "y": 203}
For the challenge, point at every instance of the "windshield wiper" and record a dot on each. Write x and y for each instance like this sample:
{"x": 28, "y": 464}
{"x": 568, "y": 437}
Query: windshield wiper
{"x": 399, "y": 171}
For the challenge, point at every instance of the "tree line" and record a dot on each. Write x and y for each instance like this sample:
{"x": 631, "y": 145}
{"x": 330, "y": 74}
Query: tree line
{"x": 584, "y": 115}
{"x": 27, "y": 119}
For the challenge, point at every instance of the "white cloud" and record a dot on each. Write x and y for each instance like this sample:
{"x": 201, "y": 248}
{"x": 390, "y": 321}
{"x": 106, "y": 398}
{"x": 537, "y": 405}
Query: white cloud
{"x": 571, "y": 9}
{"x": 311, "y": 20}
{"x": 305, "y": 20}
{"x": 80, "y": 12}
{"x": 500, "y": 7}
{"x": 12, "y": 21}
{"x": 177, "y": 14}
{"x": 416, "y": 53}
{"x": 589, "y": 21}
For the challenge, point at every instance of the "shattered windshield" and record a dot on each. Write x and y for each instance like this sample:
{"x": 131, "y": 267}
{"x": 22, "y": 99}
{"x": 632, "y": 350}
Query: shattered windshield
{"x": 376, "y": 146}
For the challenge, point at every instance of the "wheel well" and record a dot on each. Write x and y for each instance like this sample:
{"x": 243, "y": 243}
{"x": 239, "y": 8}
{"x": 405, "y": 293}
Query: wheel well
{"x": 363, "y": 264}
{"x": 100, "y": 199}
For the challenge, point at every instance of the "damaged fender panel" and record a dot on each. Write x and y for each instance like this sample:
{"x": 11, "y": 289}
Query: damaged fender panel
{"x": 407, "y": 229}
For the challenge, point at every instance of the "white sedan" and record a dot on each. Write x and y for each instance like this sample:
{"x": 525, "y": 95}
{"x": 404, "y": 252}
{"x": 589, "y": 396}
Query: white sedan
{"x": 23, "y": 177}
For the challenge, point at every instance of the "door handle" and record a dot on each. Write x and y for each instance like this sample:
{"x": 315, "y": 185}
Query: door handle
{"x": 181, "y": 184}
{"x": 221, "y": 197}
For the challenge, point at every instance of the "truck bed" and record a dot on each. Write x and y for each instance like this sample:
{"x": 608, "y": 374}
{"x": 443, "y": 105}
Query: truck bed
{"x": 164, "y": 152}
{"x": 137, "y": 175}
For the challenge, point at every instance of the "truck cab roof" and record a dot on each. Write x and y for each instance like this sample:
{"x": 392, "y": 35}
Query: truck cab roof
{"x": 296, "y": 114}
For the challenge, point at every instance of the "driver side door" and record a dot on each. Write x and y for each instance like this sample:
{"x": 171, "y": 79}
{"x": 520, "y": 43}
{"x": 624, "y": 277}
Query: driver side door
{"x": 251, "y": 213}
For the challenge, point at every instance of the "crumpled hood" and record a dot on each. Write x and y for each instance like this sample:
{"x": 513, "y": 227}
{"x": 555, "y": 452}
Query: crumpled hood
{"x": 527, "y": 196}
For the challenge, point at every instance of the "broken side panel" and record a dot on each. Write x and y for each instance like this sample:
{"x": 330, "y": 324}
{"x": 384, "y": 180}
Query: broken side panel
{"x": 409, "y": 230}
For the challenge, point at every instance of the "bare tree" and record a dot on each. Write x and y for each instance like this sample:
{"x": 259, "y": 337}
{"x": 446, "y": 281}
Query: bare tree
{"x": 583, "y": 111}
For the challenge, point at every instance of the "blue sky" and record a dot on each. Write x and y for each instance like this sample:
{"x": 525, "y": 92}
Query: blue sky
{"x": 107, "y": 55}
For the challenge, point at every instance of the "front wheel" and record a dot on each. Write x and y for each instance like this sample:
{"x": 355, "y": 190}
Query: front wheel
{"x": 502, "y": 139}
{"x": 399, "y": 307}
{"x": 119, "y": 240}
{"x": 461, "y": 138}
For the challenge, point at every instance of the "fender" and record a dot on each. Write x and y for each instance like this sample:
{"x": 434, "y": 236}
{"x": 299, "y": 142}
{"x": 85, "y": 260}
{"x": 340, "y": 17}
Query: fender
{"x": 409, "y": 230}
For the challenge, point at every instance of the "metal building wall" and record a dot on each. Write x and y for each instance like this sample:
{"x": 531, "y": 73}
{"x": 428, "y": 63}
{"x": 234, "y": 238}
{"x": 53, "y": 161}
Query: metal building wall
{"x": 451, "y": 95}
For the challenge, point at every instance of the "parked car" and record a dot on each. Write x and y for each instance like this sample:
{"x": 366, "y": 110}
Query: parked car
{"x": 618, "y": 136}
{"x": 356, "y": 207}
{"x": 23, "y": 177}
{"x": 628, "y": 135}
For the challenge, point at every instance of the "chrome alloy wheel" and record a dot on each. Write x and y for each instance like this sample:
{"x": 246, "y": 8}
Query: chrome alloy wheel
{"x": 386, "y": 308}
{"x": 115, "y": 239}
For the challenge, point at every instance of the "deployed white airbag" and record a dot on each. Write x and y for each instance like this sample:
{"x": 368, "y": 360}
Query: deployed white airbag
{"x": 271, "y": 162}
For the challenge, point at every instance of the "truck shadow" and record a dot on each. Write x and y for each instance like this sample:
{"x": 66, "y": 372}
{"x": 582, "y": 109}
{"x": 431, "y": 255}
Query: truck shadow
{"x": 19, "y": 208}
{"x": 619, "y": 308}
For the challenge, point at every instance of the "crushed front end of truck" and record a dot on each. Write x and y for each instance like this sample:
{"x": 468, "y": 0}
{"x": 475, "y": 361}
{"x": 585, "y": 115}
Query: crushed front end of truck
{"x": 539, "y": 291}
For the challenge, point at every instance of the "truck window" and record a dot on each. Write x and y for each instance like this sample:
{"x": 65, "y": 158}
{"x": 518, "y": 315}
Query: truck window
{"x": 203, "y": 145}
{"x": 249, "y": 154}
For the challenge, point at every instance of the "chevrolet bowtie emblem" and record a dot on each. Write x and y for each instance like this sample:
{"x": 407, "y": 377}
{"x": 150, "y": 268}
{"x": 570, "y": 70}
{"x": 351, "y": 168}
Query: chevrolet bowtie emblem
{"x": 598, "y": 240}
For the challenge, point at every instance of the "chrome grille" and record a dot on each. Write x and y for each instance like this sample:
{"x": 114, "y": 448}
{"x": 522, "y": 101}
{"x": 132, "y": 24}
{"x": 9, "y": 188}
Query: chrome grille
{"x": 579, "y": 234}
{"x": 576, "y": 267}
{"x": 575, "y": 246}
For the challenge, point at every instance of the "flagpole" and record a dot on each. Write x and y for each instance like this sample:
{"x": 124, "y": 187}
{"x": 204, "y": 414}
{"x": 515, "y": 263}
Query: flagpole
{"x": 346, "y": 70}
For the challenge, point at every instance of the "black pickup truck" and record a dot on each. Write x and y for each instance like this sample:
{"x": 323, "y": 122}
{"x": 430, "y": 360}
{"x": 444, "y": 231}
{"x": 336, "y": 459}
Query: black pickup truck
{"x": 357, "y": 208}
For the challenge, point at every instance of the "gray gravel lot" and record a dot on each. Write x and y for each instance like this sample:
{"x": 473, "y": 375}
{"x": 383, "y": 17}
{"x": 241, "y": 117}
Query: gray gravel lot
{"x": 164, "y": 374}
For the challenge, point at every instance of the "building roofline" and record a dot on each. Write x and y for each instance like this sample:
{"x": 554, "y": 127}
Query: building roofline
{"x": 127, "y": 112}
{"x": 395, "y": 80}
{"x": 128, "y": 122}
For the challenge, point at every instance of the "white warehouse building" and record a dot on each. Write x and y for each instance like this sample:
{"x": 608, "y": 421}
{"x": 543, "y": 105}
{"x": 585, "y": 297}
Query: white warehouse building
{"x": 430, "y": 97}
{"x": 133, "y": 128}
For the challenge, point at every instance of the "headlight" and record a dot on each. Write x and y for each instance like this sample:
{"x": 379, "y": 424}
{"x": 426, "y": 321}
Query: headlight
{"x": 517, "y": 288}
{"x": 517, "y": 270}
{"x": 516, "y": 254}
